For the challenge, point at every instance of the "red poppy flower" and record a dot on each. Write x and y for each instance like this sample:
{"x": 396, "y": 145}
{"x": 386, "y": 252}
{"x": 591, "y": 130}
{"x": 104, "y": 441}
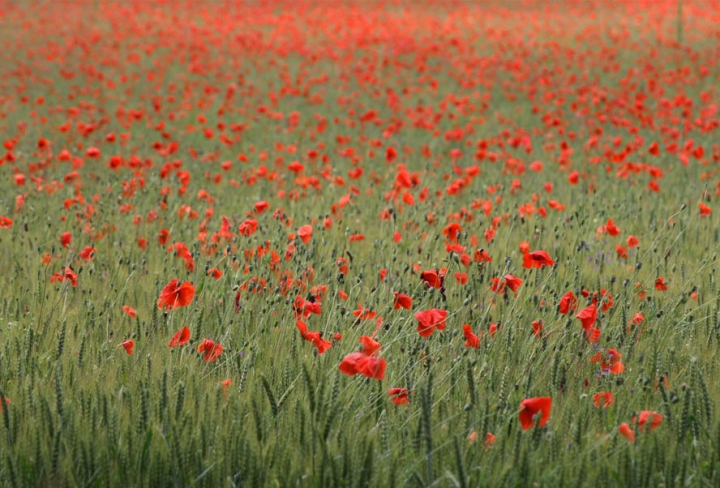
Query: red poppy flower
{"x": 605, "y": 397}
{"x": 163, "y": 236}
{"x": 181, "y": 250}
{"x": 215, "y": 273}
{"x": 248, "y": 227}
{"x": 225, "y": 385}
{"x": 363, "y": 313}
{"x": 568, "y": 303}
{"x": 428, "y": 320}
{"x": 632, "y": 241}
{"x": 621, "y": 251}
{"x": 482, "y": 256}
{"x": 176, "y": 295}
{"x": 211, "y": 351}
{"x": 303, "y": 308}
{"x": 610, "y": 361}
{"x": 433, "y": 278}
{"x": 130, "y": 311}
{"x": 67, "y": 275}
{"x": 128, "y": 344}
{"x": 513, "y": 282}
{"x": 660, "y": 284}
{"x": 537, "y": 259}
{"x": 471, "y": 339}
{"x": 654, "y": 418}
{"x": 531, "y": 407}
{"x": 315, "y": 338}
{"x": 638, "y": 318}
{"x": 361, "y": 363}
{"x": 611, "y": 228}
{"x": 452, "y": 231}
{"x": 399, "y": 396}
{"x": 490, "y": 439}
{"x": 461, "y": 278}
{"x": 261, "y": 206}
{"x": 492, "y": 330}
{"x": 402, "y": 301}
{"x": 5, "y": 222}
{"x": 626, "y": 431}
{"x": 704, "y": 210}
{"x": 87, "y": 253}
{"x": 65, "y": 239}
{"x": 587, "y": 316}
{"x": 305, "y": 233}
{"x": 180, "y": 338}
{"x": 537, "y": 328}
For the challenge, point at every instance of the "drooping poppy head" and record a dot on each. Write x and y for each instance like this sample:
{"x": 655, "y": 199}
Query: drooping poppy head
{"x": 531, "y": 407}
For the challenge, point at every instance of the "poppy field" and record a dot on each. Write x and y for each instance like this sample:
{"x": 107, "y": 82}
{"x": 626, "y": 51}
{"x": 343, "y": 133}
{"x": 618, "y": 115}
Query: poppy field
{"x": 359, "y": 243}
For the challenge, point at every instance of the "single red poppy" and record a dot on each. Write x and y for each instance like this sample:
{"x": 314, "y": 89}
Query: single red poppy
{"x": 626, "y": 431}
{"x": 660, "y": 284}
{"x": 361, "y": 363}
{"x": 568, "y": 303}
{"x": 513, "y": 282}
{"x": 587, "y": 316}
{"x": 402, "y": 301}
{"x": 399, "y": 396}
{"x": 604, "y": 397}
{"x": 611, "y": 228}
{"x": 433, "y": 278}
{"x": 180, "y": 338}
{"x": 305, "y": 233}
{"x": 211, "y": 350}
{"x": 537, "y": 259}
{"x": 471, "y": 339}
{"x": 65, "y": 239}
{"x": 129, "y": 311}
{"x": 646, "y": 416}
{"x": 176, "y": 295}
{"x": 531, "y": 407}
{"x": 428, "y": 320}
{"x": 128, "y": 344}
{"x": 5, "y": 222}
{"x": 87, "y": 253}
